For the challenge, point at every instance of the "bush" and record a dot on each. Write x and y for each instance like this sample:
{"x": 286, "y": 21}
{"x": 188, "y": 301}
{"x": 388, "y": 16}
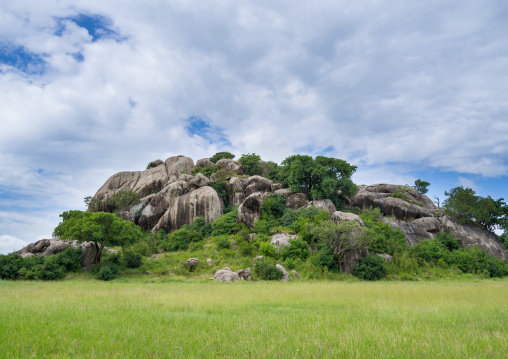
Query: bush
{"x": 324, "y": 259}
{"x": 178, "y": 240}
{"x": 385, "y": 238}
{"x": 69, "y": 259}
{"x": 247, "y": 249}
{"x": 267, "y": 250}
{"x": 106, "y": 273}
{"x": 196, "y": 246}
{"x": 273, "y": 207}
{"x": 267, "y": 271}
{"x": 263, "y": 226}
{"x": 225, "y": 224}
{"x": 288, "y": 217}
{"x": 10, "y": 265}
{"x": 132, "y": 260}
{"x": 371, "y": 267}
{"x": 220, "y": 156}
{"x": 297, "y": 249}
{"x": 289, "y": 263}
{"x": 447, "y": 241}
{"x": 223, "y": 243}
{"x": 251, "y": 164}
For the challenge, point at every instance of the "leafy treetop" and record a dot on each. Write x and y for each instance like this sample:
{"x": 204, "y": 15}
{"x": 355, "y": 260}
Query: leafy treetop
{"x": 220, "y": 156}
{"x": 421, "y": 186}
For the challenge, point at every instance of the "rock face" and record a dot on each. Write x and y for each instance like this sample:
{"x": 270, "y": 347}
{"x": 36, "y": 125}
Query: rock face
{"x": 323, "y": 205}
{"x": 226, "y": 275}
{"x": 244, "y": 274}
{"x": 250, "y": 210}
{"x": 339, "y": 216}
{"x": 199, "y": 180}
{"x": 285, "y": 274}
{"x": 204, "y": 162}
{"x": 230, "y": 165}
{"x": 235, "y": 189}
{"x": 296, "y": 201}
{"x": 351, "y": 259}
{"x": 281, "y": 240}
{"x": 258, "y": 184}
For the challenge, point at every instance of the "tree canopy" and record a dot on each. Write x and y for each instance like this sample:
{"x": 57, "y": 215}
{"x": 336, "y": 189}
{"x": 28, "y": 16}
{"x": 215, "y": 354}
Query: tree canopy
{"x": 421, "y": 186}
{"x": 321, "y": 178}
{"x": 463, "y": 204}
{"x": 220, "y": 156}
{"x": 101, "y": 228}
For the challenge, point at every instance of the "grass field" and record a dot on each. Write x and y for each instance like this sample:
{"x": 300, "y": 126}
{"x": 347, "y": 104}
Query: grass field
{"x": 193, "y": 319}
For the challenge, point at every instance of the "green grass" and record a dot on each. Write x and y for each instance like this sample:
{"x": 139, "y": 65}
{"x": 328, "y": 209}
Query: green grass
{"x": 204, "y": 319}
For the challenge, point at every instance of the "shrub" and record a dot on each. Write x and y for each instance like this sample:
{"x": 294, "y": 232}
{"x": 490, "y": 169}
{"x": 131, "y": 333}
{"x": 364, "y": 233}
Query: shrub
{"x": 10, "y": 265}
{"x": 225, "y": 224}
{"x": 267, "y": 250}
{"x": 267, "y": 271}
{"x": 247, "y": 249}
{"x": 178, "y": 240}
{"x": 223, "y": 243}
{"x": 429, "y": 251}
{"x": 297, "y": 249}
{"x": 447, "y": 241}
{"x": 288, "y": 217}
{"x": 196, "y": 246}
{"x": 220, "y": 156}
{"x": 251, "y": 164}
{"x": 207, "y": 171}
{"x": 324, "y": 259}
{"x": 385, "y": 238}
{"x": 273, "y": 207}
{"x": 106, "y": 273}
{"x": 371, "y": 267}
{"x": 132, "y": 260}
{"x": 263, "y": 226}
{"x": 289, "y": 263}
{"x": 373, "y": 213}
{"x": 69, "y": 259}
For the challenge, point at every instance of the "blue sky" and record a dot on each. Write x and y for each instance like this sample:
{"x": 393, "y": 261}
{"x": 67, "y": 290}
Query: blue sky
{"x": 403, "y": 90}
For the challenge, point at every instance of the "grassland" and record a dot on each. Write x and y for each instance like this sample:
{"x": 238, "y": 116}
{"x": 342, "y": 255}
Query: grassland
{"x": 203, "y": 319}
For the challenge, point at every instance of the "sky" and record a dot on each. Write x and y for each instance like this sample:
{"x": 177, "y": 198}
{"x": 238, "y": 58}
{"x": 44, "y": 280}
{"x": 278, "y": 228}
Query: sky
{"x": 403, "y": 90}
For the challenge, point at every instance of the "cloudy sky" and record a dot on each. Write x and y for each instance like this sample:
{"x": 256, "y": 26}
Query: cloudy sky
{"x": 403, "y": 90}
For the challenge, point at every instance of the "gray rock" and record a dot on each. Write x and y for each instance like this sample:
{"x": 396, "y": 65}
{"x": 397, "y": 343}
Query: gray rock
{"x": 339, "y": 216}
{"x": 230, "y": 165}
{"x": 276, "y": 187}
{"x": 226, "y": 275}
{"x": 351, "y": 259}
{"x": 191, "y": 263}
{"x": 199, "y": 180}
{"x": 185, "y": 177}
{"x": 258, "y": 184}
{"x": 323, "y": 205}
{"x": 235, "y": 189}
{"x": 388, "y": 258}
{"x": 281, "y": 240}
{"x": 285, "y": 274}
{"x": 258, "y": 258}
{"x": 249, "y": 211}
{"x": 286, "y": 192}
{"x": 295, "y": 273}
{"x": 177, "y": 164}
{"x": 296, "y": 201}
{"x": 155, "y": 163}
{"x": 158, "y": 209}
{"x": 204, "y": 162}
{"x": 209, "y": 262}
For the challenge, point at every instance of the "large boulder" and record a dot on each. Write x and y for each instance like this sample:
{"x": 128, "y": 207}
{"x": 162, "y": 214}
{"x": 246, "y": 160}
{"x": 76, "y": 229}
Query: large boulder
{"x": 122, "y": 181}
{"x": 296, "y": 201}
{"x": 250, "y": 210}
{"x": 177, "y": 164}
{"x": 235, "y": 189}
{"x": 191, "y": 263}
{"x": 226, "y": 275}
{"x": 415, "y": 205}
{"x": 339, "y": 216}
{"x": 323, "y": 205}
{"x": 230, "y": 165}
{"x": 351, "y": 258}
{"x": 202, "y": 202}
{"x": 151, "y": 181}
{"x": 258, "y": 184}
{"x": 244, "y": 274}
{"x": 199, "y": 180}
{"x": 155, "y": 215}
{"x": 285, "y": 274}
{"x": 281, "y": 240}
{"x": 286, "y": 192}
{"x": 204, "y": 162}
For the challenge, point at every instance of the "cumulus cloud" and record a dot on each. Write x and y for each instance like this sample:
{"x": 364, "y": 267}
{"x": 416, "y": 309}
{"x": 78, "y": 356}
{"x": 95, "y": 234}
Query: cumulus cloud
{"x": 90, "y": 88}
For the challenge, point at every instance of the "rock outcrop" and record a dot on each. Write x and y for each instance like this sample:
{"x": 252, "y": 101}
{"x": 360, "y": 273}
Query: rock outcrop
{"x": 249, "y": 211}
{"x": 339, "y": 216}
{"x": 296, "y": 201}
{"x": 226, "y": 275}
{"x": 323, "y": 205}
{"x": 285, "y": 274}
{"x": 258, "y": 184}
{"x": 281, "y": 240}
{"x": 236, "y": 190}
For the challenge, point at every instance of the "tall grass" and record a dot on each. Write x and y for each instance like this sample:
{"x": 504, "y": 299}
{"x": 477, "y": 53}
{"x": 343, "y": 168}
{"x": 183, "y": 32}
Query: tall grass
{"x": 202, "y": 319}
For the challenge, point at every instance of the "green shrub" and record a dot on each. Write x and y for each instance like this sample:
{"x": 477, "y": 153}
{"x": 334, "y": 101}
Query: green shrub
{"x": 273, "y": 207}
{"x": 247, "y": 249}
{"x": 297, "y": 249}
{"x": 385, "y": 238}
{"x": 429, "y": 251}
{"x": 324, "y": 259}
{"x": 371, "y": 267}
{"x": 225, "y": 224}
{"x": 223, "y": 243}
{"x": 267, "y": 271}
{"x": 374, "y": 214}
{"x": 196, "y": 246}
{"x": 206, "y": 171}
{"x": 178, "y": 240}
{"x": 132, "y": 260}
{"x": 69, "y": 259}
{"x": 10, "y": 264}
{"x": 447, "y": 241}
{"x": 288, "y": 217}
{"x": 110, "y": 258}
{"x": 263, "y": 226}
{"x": 267, "y": 250}
{"x": 220, "y": 156}
{"x": 289, "y": 263}
{"x": 106, "y": 273}
{"x": 251, "y": 164}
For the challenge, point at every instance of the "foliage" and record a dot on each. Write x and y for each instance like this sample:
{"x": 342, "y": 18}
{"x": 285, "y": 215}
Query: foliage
{"x": 371, "y": 267}
{"x": 288, "y": 217}
{"x": 322, "y": 177}
{"x": 178, "y": 240}
{"x": 101, "y": 228}
{"x": 374, "y": 214}
{"x": 151, "y": 165}
{"x": 69, "y": 259}
{"x": 341, "y": 237}
{"x": 403, "y": 192}
{"x": 270, "y": 170}
{"x": 267, "y": 271}
{"x": 247, "y": 249}
{"x": 268, "y": 250}
{"x": 220, "y": 156}
{"x": 223, "y": 243}
{"x": 225, "y": 224}
{"x": 206, "y": 171}
{"x": 92, "y": 204}
{"x": 421, "y": 186}
{"x": 273, "y": 207}
{"x": 220, "y": 187}
{"x": 503, "y": 238}
{"x": 296, "y": 249}
{"x": 132, "y": 260}
{"x": 385, "y": 239}
{"x": 107, "y": 273}
{"x": 447, "y": 241}
{"x": 251, "y": 164}
{"x": 325, "y": 260}
{"x": 122, "y": 199}
{"x": 463, "y": 204}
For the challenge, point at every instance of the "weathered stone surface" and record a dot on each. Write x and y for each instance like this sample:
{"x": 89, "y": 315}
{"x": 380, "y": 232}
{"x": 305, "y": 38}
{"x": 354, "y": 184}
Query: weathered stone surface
{"x": 388, "y": 258}
{"x": 285, "y": 274}
{"x": 286, "y": 192}
{"x": 199, "y": 180}
{"x": 177, "y": 164}
{"x": 250, "y": 210}
{"x": 296, "y": 201}
{"x": 258, "y": 258}
{"x": 122, "y": 181}
{"x": 244, "y": 274}
{"x": 281, "y": 240}
{"x": 339, "y": 216}
{"x": 202, "y": 202}
{"x": 323, "y": 205}
{"x": 226, "y": 275}
{"x": 155, "y": 163}
{"x": 258, "y": 184}
{"x": 191, "y": 263}
{"x": 230, "y": 165}
{"x": 151, "y": 181}
{"x": 295, "y": 273}
{"x": 185, "y": 177}
{"x": 204, "y": 162}
{"x": 235, "y": 189}
{"x": 276, "y": 187}
{"x": 158, "y": 209}
{"x": 351, "y": 259}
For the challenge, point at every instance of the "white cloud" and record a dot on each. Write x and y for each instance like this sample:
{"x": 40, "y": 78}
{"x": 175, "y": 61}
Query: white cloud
{"x": 10, "y": 244}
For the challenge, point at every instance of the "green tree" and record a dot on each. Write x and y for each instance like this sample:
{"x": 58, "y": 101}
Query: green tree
{"x": 322, "y": 177}
{"x": 220, "y": 156}
{"x": 251, "y": 164}
{"x": 463, "y": 204}
{"x": 123, "y": 199}
{"x": 421, "y": 186}
{"x": 101, "y": 228}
